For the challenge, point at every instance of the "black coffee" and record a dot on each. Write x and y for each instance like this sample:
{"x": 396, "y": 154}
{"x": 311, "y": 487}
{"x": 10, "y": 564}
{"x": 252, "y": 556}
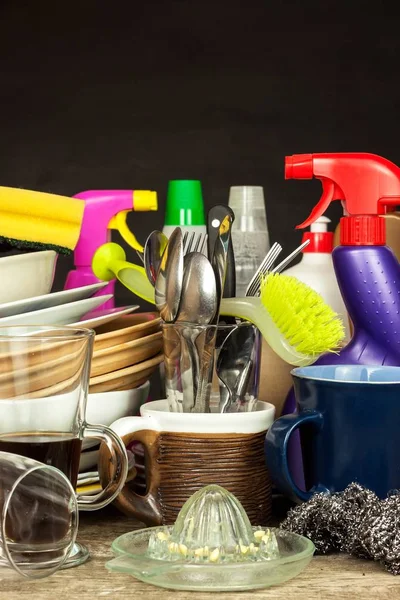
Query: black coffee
{"x": 41, "y": 518}
{"x": 60, "y": 450}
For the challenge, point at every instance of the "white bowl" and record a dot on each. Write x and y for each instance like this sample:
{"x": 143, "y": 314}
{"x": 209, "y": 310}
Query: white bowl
{"x": 104, "y": 409}
{"x": 26, "y": 275}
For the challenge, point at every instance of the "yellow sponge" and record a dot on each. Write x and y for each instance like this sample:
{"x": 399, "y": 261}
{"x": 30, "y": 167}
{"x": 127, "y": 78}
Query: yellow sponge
{"x": 40, "y": 220}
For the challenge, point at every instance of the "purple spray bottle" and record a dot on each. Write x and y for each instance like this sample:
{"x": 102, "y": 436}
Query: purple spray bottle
{"x": 105, "y": 210}
{"x": 367, "y": 271}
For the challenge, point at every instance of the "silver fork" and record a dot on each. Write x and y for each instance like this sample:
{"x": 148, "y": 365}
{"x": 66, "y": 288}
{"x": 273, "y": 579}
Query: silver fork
{"x": 253, "y": 289}
{"x": 266, "y": 265}
{"x": 289, "y": 258}
{"x": 194, "y": 242}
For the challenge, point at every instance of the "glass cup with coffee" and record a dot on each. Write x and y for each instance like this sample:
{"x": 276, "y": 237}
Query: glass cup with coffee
{"x": 44, "y": 381}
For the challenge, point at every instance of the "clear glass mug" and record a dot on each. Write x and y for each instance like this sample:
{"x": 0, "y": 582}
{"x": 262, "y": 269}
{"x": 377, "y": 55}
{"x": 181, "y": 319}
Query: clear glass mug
{"x": 38, "y": 518}
{"x": 211, "y": 368}
{"x": 44, "y": 382}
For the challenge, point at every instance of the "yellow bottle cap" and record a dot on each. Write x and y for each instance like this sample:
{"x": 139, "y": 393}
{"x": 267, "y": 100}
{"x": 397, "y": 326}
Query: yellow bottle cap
{"x": 144, "y": 200}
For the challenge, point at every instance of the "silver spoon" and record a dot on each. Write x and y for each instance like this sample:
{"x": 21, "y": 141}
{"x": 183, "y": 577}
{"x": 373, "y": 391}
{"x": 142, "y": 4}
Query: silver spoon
{"x": 153, "y": 251}
{"x": 233, "y": 366}
{"x": 168, "y": 285}
{"x": 198, "y": 307}
{"x": 199, "y": 290}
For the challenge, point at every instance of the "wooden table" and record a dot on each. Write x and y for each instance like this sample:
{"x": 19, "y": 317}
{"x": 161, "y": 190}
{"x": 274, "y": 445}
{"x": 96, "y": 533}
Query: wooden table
{"x": 337, "y": 576}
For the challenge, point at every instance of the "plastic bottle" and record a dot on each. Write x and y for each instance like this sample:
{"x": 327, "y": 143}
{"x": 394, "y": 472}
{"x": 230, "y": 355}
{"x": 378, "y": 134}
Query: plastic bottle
{"x": 105, "y": 210}
{"x": 184, "y": 207}
{"x": 250, "y": 235}
{"x": 367, "y": 270}
{"x": 392, "y": 218}
{"x": 316, "y": 268}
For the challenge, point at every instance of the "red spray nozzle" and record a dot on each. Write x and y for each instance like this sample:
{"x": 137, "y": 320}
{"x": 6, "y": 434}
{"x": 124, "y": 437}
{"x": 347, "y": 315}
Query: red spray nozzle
{"x": 299, "y": 166}
{"x": 366, "y": 183}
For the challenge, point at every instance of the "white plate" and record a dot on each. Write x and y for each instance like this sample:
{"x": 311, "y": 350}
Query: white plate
{"x": 100, "y": 317}
{"x": 88, "y": 477}
{"x": 88, "y": 460}
{"x": 57, "y": 315}
{"x": 49, "y": 300}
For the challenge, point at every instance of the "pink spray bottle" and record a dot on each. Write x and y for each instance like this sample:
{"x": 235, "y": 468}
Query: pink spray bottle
{"x": 105, "y": 210}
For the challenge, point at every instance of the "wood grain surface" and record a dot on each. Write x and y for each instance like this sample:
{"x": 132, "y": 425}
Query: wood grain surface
{"x": 337, "y": 576}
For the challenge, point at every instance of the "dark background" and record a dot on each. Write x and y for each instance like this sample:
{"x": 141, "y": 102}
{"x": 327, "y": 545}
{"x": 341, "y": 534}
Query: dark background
{"x": 132, "y": 94}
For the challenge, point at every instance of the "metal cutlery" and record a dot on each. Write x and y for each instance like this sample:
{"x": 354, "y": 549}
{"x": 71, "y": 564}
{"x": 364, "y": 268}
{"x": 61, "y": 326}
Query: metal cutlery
{"x": 188, "y": 292}
{"x": 220, "y": 258}
{"x": 198, "y": 291}
{"x": 168, "y": 285}
{"x": 253, "y": 289}
{"x": 198, "y": 305}
{"x": 215, "y": 217}
{"x": 234, "y": 366}
{"x": 282, "y": 265}
{"x": 194, "y": 242}
{"x": 153, "y": 252}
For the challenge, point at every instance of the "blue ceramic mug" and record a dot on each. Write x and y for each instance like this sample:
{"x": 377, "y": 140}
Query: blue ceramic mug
{"x": 349, "y": 423}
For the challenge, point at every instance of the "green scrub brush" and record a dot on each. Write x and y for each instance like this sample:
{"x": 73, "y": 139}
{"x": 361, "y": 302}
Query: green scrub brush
{"x": 292, "y": 318}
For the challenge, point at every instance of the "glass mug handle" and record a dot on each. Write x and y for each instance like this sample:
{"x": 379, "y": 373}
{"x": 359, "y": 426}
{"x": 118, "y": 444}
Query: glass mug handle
{"x": 118, "y": 467}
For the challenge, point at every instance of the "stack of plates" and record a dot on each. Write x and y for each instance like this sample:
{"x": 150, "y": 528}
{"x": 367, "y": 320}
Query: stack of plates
{"x": 127, "y": 348}
{"x": 69, "y": 307}
{"x": 126, "y": 352}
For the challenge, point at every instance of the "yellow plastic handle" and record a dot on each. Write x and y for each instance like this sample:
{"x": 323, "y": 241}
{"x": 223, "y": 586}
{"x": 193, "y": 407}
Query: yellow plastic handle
{"x": 119, "y": 223}
{"x": 109, "y": 262}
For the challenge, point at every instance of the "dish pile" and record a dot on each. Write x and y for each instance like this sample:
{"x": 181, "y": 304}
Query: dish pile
{"x": 26, "y": 297}
{"x": 26, "y": 275}
{"x": 127, "y": 348}
{"x": 126, "y": 352}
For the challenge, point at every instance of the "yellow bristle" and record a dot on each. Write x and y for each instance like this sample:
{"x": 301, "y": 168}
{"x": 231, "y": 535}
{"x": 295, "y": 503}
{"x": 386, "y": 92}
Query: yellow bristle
{"x": 301, "y": 315}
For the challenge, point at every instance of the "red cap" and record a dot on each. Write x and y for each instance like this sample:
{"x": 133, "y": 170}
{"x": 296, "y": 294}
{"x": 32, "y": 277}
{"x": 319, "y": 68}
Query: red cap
{"x": 366, "y": 230}
{"x": 319, "y": 242}
{"x": 366, "y": 183}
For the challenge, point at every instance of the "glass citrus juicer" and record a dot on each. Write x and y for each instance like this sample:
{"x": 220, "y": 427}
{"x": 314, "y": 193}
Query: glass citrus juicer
{"x": 211, "y": 547}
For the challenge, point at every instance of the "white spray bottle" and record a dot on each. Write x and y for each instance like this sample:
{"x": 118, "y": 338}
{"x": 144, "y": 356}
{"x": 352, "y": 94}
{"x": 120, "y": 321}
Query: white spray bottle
{"x": 316, "y": 268}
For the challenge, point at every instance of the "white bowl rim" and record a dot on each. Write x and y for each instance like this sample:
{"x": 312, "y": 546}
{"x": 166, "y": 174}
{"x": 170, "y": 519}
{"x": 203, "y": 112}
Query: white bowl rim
{"x": 25, "y": 255}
